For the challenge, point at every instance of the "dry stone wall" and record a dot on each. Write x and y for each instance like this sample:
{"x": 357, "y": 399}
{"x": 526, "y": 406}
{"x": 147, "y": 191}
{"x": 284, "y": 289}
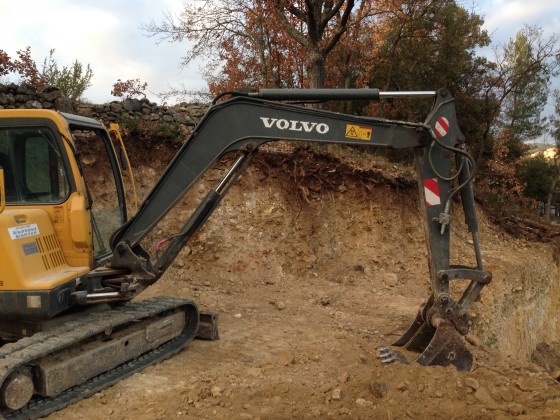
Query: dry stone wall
{"x": 14, "y": 96}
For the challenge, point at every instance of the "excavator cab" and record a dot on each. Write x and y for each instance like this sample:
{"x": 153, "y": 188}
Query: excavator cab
{"x": 53, "y": 231}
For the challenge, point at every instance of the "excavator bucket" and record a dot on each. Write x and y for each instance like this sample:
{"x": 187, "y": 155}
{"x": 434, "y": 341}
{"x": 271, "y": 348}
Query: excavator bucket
{"x": 427, "y": 346}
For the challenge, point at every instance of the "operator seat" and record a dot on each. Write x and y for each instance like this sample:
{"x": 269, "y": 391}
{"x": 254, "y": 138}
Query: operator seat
{"x": 9, "y": 181}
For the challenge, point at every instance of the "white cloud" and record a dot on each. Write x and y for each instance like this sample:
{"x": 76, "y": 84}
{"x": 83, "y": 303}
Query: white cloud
{"x": 503, "y": 18}
{"x": 104, "y": 33}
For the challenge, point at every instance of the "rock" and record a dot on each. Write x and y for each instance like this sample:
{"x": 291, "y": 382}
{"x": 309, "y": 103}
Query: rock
{"x": 547, "y": 356}
{"x": 131, "y": 104}
{"x": 343, "y": 377}
{"x": 285, "y": 358}
{"x": 529, "y": 384}
{"x": 336, "y": 394}
{"x": 5, "y": 99}
{"x": 283, "y": 388}
{"x": 379, "y": 389}
{"x": 180, "y": 119}
{"x": 316, "y": 412}
{"x": 361, "y": 402}
{"x": 325, "y": 301}
{"x": 505, "y": 394}
{"x": 64, "y": 105}
{"x": 280, "y": 305}
{"x": 326, "y": 387}
{"x": 216, "y": 391}
{"x": 390, "y": 279}
{"x": 25, "y": 89}
{"x": 402, "y": 386}
{"x": 116, "y": 107}
{"x": 484, "y": 397}
{"x": 472, "y": 383}
{"x": 340, "y": 335}
{"x": 515, "y": 409}
{"x": 51, "y": 95}
{"x": 473, "y": 339}
{"x": 33, "y": 104}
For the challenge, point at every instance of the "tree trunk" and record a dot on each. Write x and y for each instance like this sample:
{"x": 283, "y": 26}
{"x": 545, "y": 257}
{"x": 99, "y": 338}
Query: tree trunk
{"x": 549, "y": 200}
{"x": 316, "y": 70}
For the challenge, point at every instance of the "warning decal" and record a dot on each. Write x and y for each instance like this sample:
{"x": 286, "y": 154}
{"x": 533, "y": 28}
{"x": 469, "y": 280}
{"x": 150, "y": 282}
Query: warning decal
{"x": 24, "y": 231}
{"x": 431, "y": 192}
{"x": 442, "y": 126}
{"x": 358, "y": 132}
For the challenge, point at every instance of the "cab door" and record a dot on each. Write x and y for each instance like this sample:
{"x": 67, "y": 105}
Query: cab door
{"x": 105, "y": 189}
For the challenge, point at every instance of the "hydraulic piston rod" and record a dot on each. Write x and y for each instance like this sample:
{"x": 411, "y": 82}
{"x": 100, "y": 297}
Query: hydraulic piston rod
{"x": 336, "y": 94}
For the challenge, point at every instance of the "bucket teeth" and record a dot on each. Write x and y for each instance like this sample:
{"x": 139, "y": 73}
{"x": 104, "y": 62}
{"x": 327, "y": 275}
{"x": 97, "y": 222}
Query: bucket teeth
{"x": 389, "y": 355}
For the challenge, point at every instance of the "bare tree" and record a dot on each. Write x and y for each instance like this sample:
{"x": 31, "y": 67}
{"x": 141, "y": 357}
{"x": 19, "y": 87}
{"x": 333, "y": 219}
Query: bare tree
{"x": 212, "y": 26}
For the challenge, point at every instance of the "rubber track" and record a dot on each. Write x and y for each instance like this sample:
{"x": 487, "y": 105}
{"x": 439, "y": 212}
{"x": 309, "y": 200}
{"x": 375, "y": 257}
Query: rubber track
{"x": 27, "y": 349}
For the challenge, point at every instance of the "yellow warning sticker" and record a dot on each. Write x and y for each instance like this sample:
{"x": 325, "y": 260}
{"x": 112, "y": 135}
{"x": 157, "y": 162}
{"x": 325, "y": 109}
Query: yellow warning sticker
{"x": 358, "y": 132}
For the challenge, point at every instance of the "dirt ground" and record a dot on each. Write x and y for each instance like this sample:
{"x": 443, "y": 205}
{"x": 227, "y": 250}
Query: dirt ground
{"x": 312, "y": 265}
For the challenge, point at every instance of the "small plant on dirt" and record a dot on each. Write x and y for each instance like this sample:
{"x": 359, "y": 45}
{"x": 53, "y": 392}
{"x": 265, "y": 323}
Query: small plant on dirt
{"x": 132, "y": 127}
{"x": 150, "y": 132}
{"x": 408, "y": 174}
{"x": 164, "y": 132}
{"x": 492, "y": 342}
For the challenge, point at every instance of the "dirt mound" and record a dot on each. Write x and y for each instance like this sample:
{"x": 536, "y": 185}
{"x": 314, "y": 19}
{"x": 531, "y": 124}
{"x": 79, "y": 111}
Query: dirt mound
{"x": 313, "y": 264}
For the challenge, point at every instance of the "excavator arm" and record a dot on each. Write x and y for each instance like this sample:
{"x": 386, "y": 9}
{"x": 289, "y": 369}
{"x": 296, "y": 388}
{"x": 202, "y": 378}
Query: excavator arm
{"x": 247, "y": 120}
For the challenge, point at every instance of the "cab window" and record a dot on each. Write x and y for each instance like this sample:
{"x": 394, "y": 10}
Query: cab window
{"x": 34, "y": 171}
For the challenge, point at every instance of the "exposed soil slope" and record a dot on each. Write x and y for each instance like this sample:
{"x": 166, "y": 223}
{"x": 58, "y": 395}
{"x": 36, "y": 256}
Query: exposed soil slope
{"x": 313, "y": 264}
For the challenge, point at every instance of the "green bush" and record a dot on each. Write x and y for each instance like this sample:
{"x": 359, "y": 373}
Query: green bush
{"x": 164, "y": 132}
{"x": 151, "y": 132}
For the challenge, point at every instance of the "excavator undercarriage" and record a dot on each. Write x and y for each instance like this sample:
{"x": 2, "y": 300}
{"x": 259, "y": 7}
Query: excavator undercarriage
{"x": 80, "y": 355}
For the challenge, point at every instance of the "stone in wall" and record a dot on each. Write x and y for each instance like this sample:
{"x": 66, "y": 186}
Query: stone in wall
{"x": 24, "y": 96}
{"x": 14, "y": 96}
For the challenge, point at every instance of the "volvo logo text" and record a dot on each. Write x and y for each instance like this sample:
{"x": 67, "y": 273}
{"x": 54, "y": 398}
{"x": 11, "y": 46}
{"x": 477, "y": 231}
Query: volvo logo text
{"x": 294, "y": 125}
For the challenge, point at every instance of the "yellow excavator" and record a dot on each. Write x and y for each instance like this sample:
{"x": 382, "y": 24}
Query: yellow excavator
{"x": 71, "y": 263}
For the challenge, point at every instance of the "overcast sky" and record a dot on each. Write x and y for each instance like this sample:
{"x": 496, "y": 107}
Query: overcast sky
{"x": 107, "y": 34}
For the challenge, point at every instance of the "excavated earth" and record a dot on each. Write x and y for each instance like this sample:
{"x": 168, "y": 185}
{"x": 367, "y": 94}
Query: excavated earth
{"x": 313, "y": 263}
